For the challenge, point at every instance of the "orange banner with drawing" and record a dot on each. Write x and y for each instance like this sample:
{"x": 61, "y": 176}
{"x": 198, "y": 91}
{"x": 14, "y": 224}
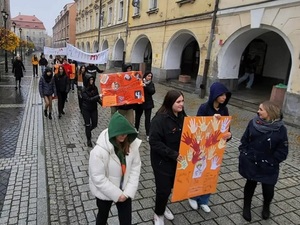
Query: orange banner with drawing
{"x": 122, "y": 88}
{"x": 201, "y": 150}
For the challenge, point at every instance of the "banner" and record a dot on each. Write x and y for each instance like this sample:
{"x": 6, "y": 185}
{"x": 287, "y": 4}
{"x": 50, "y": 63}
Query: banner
{"x": 201, "y": 150}
{"x": 81, "y": 56}
{"x": 55, "y": 51}
{"x": 122, "y": 88}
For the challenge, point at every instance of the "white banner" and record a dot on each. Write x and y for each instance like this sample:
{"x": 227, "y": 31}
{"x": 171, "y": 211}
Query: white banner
{"x": 55, "y": 51}
{"x": 81, "y": 56}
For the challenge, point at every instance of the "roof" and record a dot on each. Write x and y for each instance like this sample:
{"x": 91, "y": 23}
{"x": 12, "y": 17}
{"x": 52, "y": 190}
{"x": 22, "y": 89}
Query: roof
{"x": 28, "y": 22}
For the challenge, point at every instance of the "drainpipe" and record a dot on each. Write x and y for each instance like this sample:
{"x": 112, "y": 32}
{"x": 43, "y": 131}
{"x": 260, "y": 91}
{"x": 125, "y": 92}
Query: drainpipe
{"x": 207, "y": 60}
{"x": 100, "y": 13}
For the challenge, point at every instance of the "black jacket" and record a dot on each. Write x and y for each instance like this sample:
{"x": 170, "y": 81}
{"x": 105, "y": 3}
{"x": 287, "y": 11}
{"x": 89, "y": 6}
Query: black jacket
{"x": 90, "y": 95}
{"x": 62, "y": 83}
{"x": 93, "y": 69}
{"x": 260, "y": 154}
{"x": 149, "y": 90}
{"x": 165, "y": 135}
{"x": 18, "y": 68}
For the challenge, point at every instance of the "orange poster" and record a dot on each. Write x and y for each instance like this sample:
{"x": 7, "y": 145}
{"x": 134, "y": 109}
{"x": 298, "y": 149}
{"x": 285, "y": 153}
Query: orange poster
{"x": 122, "y": 88}
{"x": 201, "y": 150}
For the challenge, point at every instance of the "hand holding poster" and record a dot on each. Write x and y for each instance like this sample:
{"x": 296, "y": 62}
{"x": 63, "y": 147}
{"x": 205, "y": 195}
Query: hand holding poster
{"x": 201, "y": 153}
{"x": 122, "y": 88}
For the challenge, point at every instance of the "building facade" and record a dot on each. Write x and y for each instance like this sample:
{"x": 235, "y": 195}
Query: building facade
{"x": 100, "y": 25}
{"x": 186, "y": 37}
{"x": 32, "y": 29}
{"x": 64, "y": 29}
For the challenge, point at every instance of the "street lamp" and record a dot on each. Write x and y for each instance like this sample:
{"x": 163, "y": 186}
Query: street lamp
{"x": 14, "y": 26}
{"x": 101, "y": 15}
{"x": 5, "y": 17}
{"x": 20, "y": 29}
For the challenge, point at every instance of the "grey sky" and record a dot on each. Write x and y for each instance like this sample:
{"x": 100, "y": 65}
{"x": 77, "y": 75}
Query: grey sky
{"x": 44, "y": 10}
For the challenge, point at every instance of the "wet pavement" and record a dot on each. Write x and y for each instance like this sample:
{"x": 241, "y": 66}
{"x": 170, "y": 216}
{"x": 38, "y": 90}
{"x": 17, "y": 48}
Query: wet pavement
{"x": 44, "y": 167}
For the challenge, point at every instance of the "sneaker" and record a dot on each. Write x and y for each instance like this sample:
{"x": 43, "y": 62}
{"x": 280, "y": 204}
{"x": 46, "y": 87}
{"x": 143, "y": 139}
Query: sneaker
{"x": 168, "y": 214}
{"x": 59, "y": 116}
{"x": 205, "y": 208}
{"x": 193, "y": 203}
{"x": 158, "y": 220}
{"x": 62, "y": 112}
{"x": 148, "y": 138}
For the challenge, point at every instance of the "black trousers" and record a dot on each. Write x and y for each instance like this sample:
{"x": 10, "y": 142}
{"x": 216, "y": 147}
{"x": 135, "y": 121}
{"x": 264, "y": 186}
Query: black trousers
{"x": 138, "y": 114}
{"x": 61, "y": 97}
{"x": 90, "y": 120}
{"x": 267, "y": 190}
{"x": 164, "y": 185}
{"x": 124, "y": 211}
{"x": 35, "y": 70}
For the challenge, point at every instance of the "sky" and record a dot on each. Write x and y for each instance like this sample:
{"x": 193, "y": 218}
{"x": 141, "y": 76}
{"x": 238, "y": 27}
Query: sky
{"x": 45, "y": 10}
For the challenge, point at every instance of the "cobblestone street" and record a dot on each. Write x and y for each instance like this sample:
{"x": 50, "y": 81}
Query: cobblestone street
{"x": 44, "y": 167}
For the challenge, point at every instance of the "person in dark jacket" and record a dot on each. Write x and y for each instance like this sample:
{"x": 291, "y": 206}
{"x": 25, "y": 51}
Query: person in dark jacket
{"x": 62, "y": 84}
{"x": 17, "y": 70}
{"x": 43, "y": 63}
{"x": 264, "y": 145}
{"x": 215, "y": 106}
{"x": 147, "y": 105}
{"x": 90, "y": 99}
{"x": 47, "y": 89}
{"x": 79, "y": 80}
{"x": 93, "y": 69}
{"x": 165, "y": 134}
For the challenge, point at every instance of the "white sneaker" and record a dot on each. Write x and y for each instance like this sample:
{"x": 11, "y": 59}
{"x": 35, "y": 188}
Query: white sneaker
{"x": 168, "y": 214}
{"x": 158, "y": 220}
{"x": 205, "y": 208}
{"x": 193, "y": 203}
{"x": 148, "y": 138}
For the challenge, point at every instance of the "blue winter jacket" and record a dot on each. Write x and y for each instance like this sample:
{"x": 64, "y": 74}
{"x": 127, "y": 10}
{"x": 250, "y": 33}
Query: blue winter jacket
{"x": 47, "y": 88}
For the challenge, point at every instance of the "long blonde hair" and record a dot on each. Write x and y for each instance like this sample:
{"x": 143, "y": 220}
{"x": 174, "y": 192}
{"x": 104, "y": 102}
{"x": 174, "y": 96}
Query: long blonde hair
{"x": 273, "y": 110}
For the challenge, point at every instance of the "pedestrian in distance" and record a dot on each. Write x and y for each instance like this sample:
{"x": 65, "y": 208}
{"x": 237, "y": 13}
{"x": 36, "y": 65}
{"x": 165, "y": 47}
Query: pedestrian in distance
{"x": 215, "y": 106}
{"x": 79, "y": 80}
{"x": 62, "y": 84}
{"x": 17, "y": 70}
{"x": 250, "y": 69}
{"x": 164, "y": 138}
{"x": 90, "y": 100}
{"x": 93, "y": 69}
{"x": 147, "y": 105}
{"x": 47, "y": 90}
{"x": 264, "y": 145}
{"x": 43, "y": 63}
{"x": 114, "y": 169}
{"x": 35, "y": 65}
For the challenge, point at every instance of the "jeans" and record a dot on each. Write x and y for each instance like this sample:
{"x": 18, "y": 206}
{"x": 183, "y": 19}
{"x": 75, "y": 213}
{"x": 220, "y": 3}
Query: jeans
{"x": 43, "y": 67}
{"x": 202, "y": 199}
{"x": 245, "y": 77}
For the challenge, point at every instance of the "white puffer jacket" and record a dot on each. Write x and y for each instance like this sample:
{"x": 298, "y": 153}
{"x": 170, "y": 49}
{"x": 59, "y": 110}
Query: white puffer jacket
{"x": 105, "y": 170}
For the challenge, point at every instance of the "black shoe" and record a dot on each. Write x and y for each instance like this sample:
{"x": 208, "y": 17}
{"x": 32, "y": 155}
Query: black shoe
{"x": 63, "y": 112}
{"x": 247, "y": 214}
{"x": 59, "y": 116}
{"x": 89, "y": 143}
{"x": 45, "y": 113}
{"x": 16, "y": 87}
{"x": 265, "y": 214}
{"x": 50, "y": 116}
{"x": 19, "y": 86}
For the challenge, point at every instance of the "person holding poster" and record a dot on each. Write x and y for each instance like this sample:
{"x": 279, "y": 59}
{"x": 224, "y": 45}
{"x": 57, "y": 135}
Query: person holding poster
{"x": 79, "y": 80}
{"x": 90, "y": 99}
{"x": 114, "y": 169}
{"x": 148, "y": 105}
{"x": 215, "y": 106}
{"x": 264, "y": 145}
{"x": 164, "y": 138}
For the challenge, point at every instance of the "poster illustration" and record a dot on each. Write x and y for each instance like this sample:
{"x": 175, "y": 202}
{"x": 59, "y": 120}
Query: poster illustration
{"x": 201, "y": 150}
{"x": 122, "y": 88}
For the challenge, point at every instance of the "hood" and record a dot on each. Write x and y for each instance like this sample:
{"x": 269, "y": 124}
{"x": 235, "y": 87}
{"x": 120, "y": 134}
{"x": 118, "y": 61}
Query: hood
{"x": 217, "y": 89}
{"x": 87, "y": 78}
{"x": 119, "y": 125}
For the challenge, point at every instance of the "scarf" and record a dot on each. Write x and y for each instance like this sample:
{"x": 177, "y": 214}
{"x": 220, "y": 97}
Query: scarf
{"x": 265, "y": 126}
{"x": 122, "y": 159}
{"x": 147, "y": 81}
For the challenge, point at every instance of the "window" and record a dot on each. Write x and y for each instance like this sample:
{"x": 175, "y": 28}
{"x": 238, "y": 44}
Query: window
{"x": 153, "y": 4}
{"x": 136, "y": 11}
{"x": 97, "y": 20}
{"x": 121, "y": 9}
{"x": 109, "y": 18}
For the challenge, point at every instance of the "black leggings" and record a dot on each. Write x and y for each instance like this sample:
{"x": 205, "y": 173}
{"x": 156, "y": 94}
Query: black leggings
{"x": 267, "y": 190}
{"x": 124, "y": 211}
{"x": 91, "y": 120}
{"x": 138, "y": 114}
{"x": 164, "y": 185}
